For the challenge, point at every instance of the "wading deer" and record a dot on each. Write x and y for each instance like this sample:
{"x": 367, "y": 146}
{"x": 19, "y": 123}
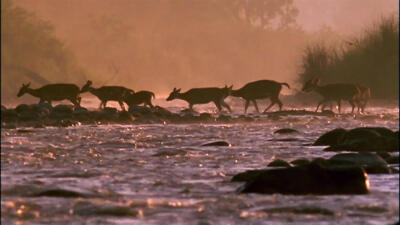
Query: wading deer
{"x": 53, "y": 92}
{"x": 139, "y": 97}
{"x": 260, "y": 89}
{"x": 333, "y": 92}
{"x": 363, "y": 98}
{"x": 203, "y": 96}
{"x": 108, "y": 93}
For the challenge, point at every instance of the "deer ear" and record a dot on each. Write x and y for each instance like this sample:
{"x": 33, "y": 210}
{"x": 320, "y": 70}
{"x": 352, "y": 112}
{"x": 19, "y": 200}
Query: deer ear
{"x": 174, "y": 89}
{"x": 230, "y": 87}
{"x": 27, "y": 85}
{"x": 179, "y": 90}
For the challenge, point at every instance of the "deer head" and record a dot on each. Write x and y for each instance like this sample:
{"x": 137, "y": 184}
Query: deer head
{"x": 23, "y": 89}
{"x": 311, "y": 84}
{"x": 87, "y": 86}
{"x": 174, "y": 94}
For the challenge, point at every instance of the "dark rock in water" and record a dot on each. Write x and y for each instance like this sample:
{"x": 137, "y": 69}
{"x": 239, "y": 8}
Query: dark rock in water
{"x": 246, "y": 118}
{"x": 301, "y": 161}
{"x": 331, "y": 138}
{"x": 310, "y": 179}
{"x": 224, "y": 119}
{"x": 139, "y": 110}
{"x": 67, "y": 109}
{"x": 22, "y": 108}
{"x": 162, "y": 112}
{"x": 372, "y": 163}
{"x": 217, "y": 143}
{"x": 362, "y": 139}
{"x": 110, "y": 110}
{"x": 170, "y": 153}
{"x": 384, "y": 155}
{"x": 286, "y": 131}
{"x": 392, "y": 160}
{"x": 328, "y": 113}
{"x": 247, "y": 176}
{"x": 9, "y": 115}
{"x": 125, "y": 116}
{"x": 279, "y": 163}
{"x": 80, "y": 109}
{"x": 206, "y": 117}
{"x": 88, "y": 208}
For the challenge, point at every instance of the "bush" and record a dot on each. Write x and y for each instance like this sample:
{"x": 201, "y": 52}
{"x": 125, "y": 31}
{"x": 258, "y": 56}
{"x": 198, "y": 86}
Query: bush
{"x": 371, "y": 59}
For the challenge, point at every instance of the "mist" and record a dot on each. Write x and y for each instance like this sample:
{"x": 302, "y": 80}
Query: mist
{"x": 158, "y": 45}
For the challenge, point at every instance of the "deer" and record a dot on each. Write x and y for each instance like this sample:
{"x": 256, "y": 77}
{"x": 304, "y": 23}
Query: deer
{"x": 362, "y": 99}
{"x": 260, "y": 89}
{"x": 333, "y": 92}
{"x": 53, "y": 92}
{"x": 108, "y": 93}
{"x": 196, "y": 96}
{"x": 138, "y": 98}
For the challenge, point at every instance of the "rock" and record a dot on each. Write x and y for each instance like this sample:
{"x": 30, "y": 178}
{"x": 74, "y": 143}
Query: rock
{"x": 89, "y": 208}
{"x": 286, "y": 131}
{"x": 125, "y": 116}
{"x": 362, "y": 139}
{"x": 312, "y": 178}
{"x": 372, "y": 163}
{"x": 392, "y": 160}
{"x": 67, "y": 109}
{"x": 22, "y": 108}
{"x": 138, "y": 111}
{"x": 247, "y": 176}
{"x": 206, "y": 117}
{"x": 331, "y": 138}
{"x": 301, "y": 161}
{"x": 217, "y": 143}
{"x": 162, "y": 112}
{"x": 224, "y": 119}
{"x": 279, "y": 163}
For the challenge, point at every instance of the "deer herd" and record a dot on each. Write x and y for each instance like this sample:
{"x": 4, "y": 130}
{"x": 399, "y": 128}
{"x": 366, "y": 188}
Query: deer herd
{"x": 356, "y": 95}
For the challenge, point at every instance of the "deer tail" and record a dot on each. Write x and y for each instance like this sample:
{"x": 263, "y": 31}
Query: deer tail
{"x": 286, "y": 84}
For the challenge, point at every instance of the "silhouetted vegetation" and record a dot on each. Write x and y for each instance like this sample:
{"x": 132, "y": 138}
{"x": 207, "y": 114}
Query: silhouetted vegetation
{"x": 371, "y": 59}
{"x": 31, "y": 52}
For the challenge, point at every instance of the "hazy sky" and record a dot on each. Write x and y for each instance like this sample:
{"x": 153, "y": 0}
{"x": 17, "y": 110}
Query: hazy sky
{"x": 346, "y": 16}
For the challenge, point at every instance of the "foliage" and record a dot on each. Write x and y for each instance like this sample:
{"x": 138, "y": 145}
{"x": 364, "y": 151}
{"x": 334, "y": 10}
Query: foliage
{"x": 371, "y": 59}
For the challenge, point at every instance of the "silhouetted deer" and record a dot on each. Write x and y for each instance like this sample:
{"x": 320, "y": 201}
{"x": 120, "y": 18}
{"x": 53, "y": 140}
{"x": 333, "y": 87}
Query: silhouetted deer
{"x": 203, "y": 96}
{"x": 139, "y": 98}
{"x": 260, "y": 89}
{"x": 108, "y": 93}
{"x": 364, "y": 96}
{"x": 333, "y": 92}
{"x": 53, "y": 92}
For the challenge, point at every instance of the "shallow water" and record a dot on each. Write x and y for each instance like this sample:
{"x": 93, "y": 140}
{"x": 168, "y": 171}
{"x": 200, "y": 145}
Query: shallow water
{"x": 160, "y": 174}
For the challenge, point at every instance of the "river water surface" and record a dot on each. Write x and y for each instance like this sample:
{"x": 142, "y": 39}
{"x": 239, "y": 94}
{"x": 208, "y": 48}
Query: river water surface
{"x": 160, "y": 174}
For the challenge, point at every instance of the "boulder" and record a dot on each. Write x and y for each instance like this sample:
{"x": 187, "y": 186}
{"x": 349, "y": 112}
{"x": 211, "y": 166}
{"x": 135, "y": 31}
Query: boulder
{"x": 372, "y": 163}
{"x": 279, "y": 163}
{"x": 331, "y": 138}
{"x": 286, "y": 131}
{"x": 362, "y": 139}
{"x": 301, "y": 161}
{"x": 312, "y": 178}
{"x": 217, "y": 143}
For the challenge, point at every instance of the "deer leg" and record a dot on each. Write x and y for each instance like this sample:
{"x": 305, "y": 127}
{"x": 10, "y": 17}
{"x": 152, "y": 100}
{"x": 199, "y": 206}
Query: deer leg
{"x": 246, "y": 105}
{"x": 149, "y": 103}
{"x": 338, "y": 103}
{"x": 255, "y": 105}
{"x": 191, "y": 107}
{"x": 270, "y": 105}
{"x": 352, "y": 105}
{"x": 280, "y": 104}
{"x": 319, "y": 103}
{"x": 224, "y": 104}
{"x": 101, "y": 104}
{"x": 218, "y": 105}
{"x": 121, "y": 104}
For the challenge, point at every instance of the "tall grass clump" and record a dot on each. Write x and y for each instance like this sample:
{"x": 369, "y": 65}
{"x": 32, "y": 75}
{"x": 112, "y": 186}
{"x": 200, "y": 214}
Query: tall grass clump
{"x": 372, "y": 59}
